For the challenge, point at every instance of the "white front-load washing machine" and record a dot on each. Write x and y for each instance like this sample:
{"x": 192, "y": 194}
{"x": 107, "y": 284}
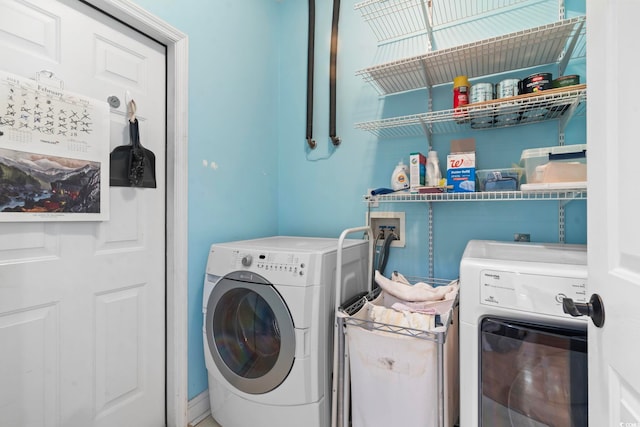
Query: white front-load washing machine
{"x": 268, "y": 313}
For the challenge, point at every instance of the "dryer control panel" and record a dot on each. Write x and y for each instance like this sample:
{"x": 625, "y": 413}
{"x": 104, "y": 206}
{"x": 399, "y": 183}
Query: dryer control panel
{"x": 536, "y": 293}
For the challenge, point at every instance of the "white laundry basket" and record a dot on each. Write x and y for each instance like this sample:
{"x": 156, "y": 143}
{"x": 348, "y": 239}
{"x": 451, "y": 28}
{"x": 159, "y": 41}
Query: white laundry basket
{"x": 401, "y": 375}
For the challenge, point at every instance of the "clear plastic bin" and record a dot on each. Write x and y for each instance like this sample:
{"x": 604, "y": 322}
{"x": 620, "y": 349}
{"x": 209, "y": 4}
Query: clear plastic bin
{"x": 563, "y": 163}
{"x": 499, "y": 179}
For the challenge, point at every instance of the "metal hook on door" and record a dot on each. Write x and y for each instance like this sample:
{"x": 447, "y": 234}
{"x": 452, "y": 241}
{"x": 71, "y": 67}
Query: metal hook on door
{"x": 47, "y": 73}
{"x": 47, "y": 77}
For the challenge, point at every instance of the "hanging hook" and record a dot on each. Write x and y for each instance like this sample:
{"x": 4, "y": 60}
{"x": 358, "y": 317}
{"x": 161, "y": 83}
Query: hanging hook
{"x": 131, "y": 107}
{"x": 127, "y": 97}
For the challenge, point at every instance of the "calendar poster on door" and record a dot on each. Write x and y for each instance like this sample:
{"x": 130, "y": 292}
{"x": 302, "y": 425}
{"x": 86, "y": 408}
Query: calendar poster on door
{"x": 54, "y": 153}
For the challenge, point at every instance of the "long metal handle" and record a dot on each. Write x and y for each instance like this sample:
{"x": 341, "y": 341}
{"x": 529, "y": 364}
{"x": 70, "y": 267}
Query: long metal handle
{"x": 339, "y": 398}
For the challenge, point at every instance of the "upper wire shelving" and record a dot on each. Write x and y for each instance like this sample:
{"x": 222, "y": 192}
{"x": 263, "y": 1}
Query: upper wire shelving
{"x": 548, "y": 44}
{"x": 560, "y": 104}
{"x": 392, "y": 20}
{"x": 416, "y": 23}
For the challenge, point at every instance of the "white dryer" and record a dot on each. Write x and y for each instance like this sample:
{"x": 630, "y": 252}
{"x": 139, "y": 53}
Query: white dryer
{"x": 268, "y": 321}
{"x": 523, "y": 360}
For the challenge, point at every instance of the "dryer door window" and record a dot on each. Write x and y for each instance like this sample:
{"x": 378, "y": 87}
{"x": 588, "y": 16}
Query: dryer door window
{"x": 250, "y": 335}
{"x": 532, "y": 374}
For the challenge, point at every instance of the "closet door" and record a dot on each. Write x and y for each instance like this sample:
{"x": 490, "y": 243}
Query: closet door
{"x": 82, "y": 304}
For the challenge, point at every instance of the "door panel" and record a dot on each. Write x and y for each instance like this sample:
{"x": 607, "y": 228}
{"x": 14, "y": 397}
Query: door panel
{"x": 31, "y": 30}
{"x": 30, "y": 335}
{"x": 614, "y": 247}
{"x": 82, "y": 304}
{"x": 25, "y": 242}
{"x": 118, "y": 351}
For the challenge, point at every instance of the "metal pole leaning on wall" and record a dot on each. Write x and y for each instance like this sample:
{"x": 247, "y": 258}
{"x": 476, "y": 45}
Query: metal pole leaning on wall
{"x": 310, "y": 65}
{"x": 333, "y": 59}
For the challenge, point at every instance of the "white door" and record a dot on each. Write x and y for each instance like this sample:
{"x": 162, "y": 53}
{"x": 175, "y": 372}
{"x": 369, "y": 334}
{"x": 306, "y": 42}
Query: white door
{"x": 613, "y": 225}
{"x": 82, "y": 304}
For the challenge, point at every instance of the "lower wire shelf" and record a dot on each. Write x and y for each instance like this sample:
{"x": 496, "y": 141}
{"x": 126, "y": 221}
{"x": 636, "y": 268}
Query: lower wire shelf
{"x": 480, "y": 196}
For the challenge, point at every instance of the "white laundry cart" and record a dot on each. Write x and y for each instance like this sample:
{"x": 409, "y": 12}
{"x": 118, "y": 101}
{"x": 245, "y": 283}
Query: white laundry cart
{"x": 391, "y": 374}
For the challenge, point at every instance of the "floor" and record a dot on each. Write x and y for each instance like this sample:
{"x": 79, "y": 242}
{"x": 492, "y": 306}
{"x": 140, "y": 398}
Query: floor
{"x": 208, "y": 422}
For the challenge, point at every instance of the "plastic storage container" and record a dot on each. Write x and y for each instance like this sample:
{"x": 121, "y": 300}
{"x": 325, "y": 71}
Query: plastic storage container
{"x": 499, "y": 179}
{"x": 563, "y": 163}
{"x": 433, "y": 170}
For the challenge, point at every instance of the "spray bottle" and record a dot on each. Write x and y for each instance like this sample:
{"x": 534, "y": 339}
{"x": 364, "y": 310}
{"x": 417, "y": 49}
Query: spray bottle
{"x": 400, "y": 177}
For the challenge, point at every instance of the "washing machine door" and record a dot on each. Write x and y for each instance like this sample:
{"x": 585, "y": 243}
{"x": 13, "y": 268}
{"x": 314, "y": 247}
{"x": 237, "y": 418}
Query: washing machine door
{"x": 250, "y": 332}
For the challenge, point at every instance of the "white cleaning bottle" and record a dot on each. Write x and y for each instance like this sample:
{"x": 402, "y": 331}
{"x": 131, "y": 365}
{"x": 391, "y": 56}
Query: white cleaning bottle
{"x": 433, "y": 169}
{"x": 400, "y": 177}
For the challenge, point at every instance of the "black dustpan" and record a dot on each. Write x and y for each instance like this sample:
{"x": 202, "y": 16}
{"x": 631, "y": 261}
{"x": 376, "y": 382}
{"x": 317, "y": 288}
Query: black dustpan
{"x": 132, "y": 165}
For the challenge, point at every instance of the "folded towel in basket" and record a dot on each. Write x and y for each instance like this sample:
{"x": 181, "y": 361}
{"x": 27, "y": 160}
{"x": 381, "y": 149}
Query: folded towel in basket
{"x": 401, "y": 289}
{"x": 406, "y": 319}
{"x": 413, "y": 307}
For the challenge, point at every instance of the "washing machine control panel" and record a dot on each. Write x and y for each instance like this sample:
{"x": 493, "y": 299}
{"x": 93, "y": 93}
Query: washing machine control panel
{"x": 536, "y": 293}
{"x": 277, "y": 267}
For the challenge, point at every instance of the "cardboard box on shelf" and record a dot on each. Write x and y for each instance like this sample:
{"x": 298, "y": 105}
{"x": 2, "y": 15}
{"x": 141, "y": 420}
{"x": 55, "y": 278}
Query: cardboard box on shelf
{"x": 461, "y": 165}
{"x": 417, "y": 171}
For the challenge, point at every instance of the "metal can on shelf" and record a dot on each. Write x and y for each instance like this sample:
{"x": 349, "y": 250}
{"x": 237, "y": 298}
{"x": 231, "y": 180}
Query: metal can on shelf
{"x": 536, "y": 83}
{"x": 460, "y": 98}
{"x": 460, "y": 91}
{"x": 564, "y": 81}
{"x": 507, "y": 88}
{"x": 481, "y": 92}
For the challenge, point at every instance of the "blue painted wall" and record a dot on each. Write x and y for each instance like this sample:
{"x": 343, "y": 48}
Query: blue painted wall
{"x": 233, "y": 134}
{"x": 247, "y": 116}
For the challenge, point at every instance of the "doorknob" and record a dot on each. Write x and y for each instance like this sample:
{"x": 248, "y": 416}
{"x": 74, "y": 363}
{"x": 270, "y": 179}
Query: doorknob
{"x": 594, "y": 309}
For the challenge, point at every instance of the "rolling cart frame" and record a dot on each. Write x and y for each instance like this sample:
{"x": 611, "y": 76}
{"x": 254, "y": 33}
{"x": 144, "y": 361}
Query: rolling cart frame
{"x": 343, "y": 316}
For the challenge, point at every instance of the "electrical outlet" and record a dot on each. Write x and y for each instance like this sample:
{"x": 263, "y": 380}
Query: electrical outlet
{"x": 383, "y": 223}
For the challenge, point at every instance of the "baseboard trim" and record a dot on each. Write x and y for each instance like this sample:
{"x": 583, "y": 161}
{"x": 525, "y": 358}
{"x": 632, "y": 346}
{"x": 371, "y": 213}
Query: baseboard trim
{"x": 199, "y": 408}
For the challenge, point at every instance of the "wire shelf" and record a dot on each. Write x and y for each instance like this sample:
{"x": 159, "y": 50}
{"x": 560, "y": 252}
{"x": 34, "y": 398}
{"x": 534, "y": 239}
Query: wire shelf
{"x": 554, "y": 104}
{"x": 487, "y": 196}
{"x": 392, "y": 19}
{"x": 537, "y": 46}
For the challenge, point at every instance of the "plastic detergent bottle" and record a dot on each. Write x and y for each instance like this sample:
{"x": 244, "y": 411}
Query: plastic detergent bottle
{"x": 400, "y": 177}
{"x": 433, "y": 169}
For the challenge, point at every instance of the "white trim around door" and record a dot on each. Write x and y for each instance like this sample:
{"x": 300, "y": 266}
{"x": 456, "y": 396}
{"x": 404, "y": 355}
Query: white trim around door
{"x": 177, "y": 132}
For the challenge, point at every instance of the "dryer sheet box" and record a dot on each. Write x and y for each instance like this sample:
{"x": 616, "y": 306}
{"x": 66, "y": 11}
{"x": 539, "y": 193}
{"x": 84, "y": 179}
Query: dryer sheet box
{"x": 461, "y": 166}
{"x": 417, "y": 171}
